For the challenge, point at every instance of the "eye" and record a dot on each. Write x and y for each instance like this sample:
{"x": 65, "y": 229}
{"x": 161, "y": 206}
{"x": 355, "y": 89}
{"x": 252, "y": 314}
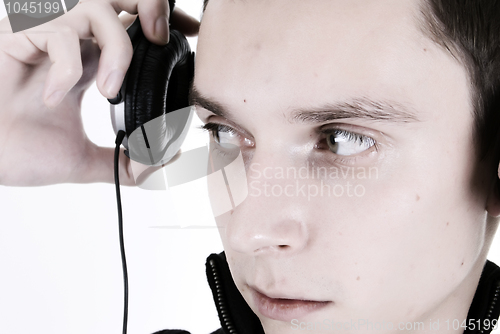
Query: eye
{"x": 222, "y": 134}
{"x": 225, "y": 135}
{"x": 345, "y": 143}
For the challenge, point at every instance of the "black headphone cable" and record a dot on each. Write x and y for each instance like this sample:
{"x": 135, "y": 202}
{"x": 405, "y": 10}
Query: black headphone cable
{"x": 119, "y": 138}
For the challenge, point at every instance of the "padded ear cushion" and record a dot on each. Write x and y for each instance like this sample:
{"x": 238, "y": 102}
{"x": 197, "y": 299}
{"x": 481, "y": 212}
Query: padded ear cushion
{"x": 158, "y": 82}
{"x": 159, "y": 79}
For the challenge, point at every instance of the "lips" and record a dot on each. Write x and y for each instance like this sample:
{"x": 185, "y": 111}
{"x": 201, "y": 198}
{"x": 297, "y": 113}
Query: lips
{"x": 284, "y": 309}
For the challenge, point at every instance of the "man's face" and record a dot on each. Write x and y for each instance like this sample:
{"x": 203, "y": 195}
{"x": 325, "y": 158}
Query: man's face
{"x": 356, "y": 130}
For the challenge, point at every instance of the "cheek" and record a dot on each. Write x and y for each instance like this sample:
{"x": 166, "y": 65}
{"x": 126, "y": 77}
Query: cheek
{"x": 406, "y": 242}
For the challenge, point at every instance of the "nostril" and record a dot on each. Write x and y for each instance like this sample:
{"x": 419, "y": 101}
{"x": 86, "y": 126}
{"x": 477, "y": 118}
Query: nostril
{"x": 273, "y": 235}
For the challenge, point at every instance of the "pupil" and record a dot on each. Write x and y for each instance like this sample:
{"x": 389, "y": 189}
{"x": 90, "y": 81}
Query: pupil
{"x": 332, "y": 140}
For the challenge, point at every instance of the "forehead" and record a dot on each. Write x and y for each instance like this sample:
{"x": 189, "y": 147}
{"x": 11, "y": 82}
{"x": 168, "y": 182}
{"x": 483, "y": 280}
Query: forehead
{"x": 282, "y": 53}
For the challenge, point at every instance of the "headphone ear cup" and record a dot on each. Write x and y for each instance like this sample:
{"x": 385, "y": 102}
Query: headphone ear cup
{"x": 158, "y": 82}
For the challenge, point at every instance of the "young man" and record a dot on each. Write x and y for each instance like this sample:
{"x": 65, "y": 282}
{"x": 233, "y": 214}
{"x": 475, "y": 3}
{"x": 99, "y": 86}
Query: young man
{"x": 369, "y": 133}
{"x": 402, "y": 87}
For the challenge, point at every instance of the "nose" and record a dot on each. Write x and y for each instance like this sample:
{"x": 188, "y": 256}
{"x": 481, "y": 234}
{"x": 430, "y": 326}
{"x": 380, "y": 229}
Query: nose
{"x": 268, "y": 222}
{"x": 256, "y": 235}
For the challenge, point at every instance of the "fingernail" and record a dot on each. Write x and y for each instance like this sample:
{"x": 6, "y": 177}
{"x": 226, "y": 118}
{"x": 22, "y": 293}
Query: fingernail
{"x": 113, "y": 83}
{"x": 56, "y": 98}
{"x": 161, "y": 28}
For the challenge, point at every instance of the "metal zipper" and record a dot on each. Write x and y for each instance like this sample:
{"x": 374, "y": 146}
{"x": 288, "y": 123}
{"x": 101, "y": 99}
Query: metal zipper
{"x": 490, "y": 309}
{"x": 221, "y": 302}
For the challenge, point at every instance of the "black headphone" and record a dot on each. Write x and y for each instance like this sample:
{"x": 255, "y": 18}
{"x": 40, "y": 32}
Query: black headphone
{"x": 157, "y": 82}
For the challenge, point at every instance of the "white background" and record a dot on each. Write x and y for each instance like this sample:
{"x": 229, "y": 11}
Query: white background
{"x": 60, "y": 269}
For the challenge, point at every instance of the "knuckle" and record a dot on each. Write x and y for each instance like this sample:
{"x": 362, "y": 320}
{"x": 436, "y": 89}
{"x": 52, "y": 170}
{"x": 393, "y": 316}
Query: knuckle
{"x": 73, "y": 71}
{"x": 67, "y": 31}
{"x": 66, "y": 34}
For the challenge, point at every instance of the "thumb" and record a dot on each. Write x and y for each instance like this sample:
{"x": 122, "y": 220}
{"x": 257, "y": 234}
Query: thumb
{"x": 131, "y": 173}
{"x": 101, "y": 167}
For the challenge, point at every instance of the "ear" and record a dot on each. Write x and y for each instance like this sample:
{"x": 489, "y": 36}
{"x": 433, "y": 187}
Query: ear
{"x": 493, "y": 201}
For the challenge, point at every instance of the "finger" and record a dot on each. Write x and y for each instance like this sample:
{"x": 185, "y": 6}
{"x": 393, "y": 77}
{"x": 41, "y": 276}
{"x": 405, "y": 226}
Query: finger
{"x": 151, "y": 10}
{"x": 90, "y": 19}
{"x": 154, "y": 20}
{"x": 100, "y": 167}
{"x": 185, "y": 23}
{"x": 63, "y": 48}
{"x": 19, "y": 46}
{"x": 114, "y": 42}
{"x": 154, "y": 16}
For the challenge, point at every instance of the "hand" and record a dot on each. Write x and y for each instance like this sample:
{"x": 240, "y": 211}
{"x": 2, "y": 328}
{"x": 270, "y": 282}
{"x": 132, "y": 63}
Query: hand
{"x": 45, "y": 72}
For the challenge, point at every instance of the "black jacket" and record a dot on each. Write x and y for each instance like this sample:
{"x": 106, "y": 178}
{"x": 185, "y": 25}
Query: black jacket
{"x": 236, "y": 317}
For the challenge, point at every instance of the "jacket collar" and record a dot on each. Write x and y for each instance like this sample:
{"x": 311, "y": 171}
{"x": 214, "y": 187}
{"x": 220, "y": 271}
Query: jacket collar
{"x": 486, "y": 303}
{"x": 236, "y": 317}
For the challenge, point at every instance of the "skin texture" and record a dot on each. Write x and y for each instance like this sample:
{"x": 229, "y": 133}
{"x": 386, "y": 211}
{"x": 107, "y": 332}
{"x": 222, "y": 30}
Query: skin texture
{"x": 412, "y": 247}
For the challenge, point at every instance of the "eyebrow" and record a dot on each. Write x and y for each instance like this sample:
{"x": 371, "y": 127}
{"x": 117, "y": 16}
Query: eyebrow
{"x": 196, "y": 98}
{"x": 358, "y": 108}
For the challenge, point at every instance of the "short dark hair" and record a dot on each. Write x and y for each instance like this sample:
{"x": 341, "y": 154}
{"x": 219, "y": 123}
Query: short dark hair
{"x": 470, "y": 31}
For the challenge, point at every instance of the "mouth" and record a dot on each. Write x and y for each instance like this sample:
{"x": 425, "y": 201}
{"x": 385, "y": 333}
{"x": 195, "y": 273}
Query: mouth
{"x": 285, "y": 309}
